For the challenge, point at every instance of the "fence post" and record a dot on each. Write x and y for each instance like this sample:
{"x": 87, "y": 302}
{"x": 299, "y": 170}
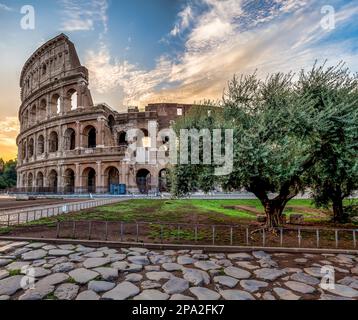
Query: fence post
{"x": 231, "y": 236}
{"x": 336, "y": 237}
{"x": 122, "y": 229}
{"x": 263, "y": 238}
{"x": 354, "y": 239}
{"x": 8, "y": 220}
{"x": 281, "y": 237}
{"x": 247, "y": 236}
{"x": 137, "y": 229}
{"x": 299, "y": 238}
{"x": 161, "y": 233}
{"x": 89, "y": 230}
{"x": 178, "y": 232}
{"x": 317, "y": 237}
{"x": 18, "y": 219}
{"x": 196, "y": 233}
{"x": 73, "y": 229}
{"x": 214, "y": 235}
{"x": 58, "y": 230}
{"x": 106, "y": 230}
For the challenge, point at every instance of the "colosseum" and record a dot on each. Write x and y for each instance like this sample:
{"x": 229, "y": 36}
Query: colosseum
{"x": 67, "y": 144}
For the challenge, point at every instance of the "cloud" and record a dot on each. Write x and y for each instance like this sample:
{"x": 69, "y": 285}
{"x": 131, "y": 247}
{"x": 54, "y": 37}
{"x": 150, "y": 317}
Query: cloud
{"x": 230, "y": 36}
{"x": 9, "y": 130}
{"x": 184, "y": 18}
{"x": 5, "y": 7}
{"x": 81, "y": 15}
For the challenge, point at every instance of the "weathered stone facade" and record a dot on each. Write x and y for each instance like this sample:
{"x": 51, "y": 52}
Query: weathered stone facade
{"x": 68, "y": 144}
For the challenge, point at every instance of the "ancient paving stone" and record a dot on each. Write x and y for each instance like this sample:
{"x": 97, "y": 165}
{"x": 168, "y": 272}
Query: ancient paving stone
{"x": 36, "y": 245}
{"x": 204, "y": 293}
{"x": 169, "y": 252}
{"x": 66, "y": 247}
{"x": 54, "y": 279}
{"x": 226, "y": 281}
{"x": 139, "y": 250}
{"x": 63, "y": 267}
{"x": 59, "y": 252}
{"x": 160, "y": 259}
{"x": 349, "y": 281}
{"x": 94, "y": 254}
{"x": 38, "y": 263}
{"x": 122, "y": 291}
{"x": 236, "y": 295}
{"x": 206, "y": 265}
{"x": 82, "y": 249}
{"x": 314, "y": 272}
{"x": 140, "y": 260}
{"x": 125, "y": 266}
{"x": 20, "y": 251}
{"x": 36, "y": 272}
{"x": 75, "y": 257}
{"x": 88, "y": 295}
{"x": 240, "y": 256}
{"x": 34, "y": 255}
{"x": 253, "y": 285}
{"x": 261, "y": 255}
{"x": 4, "y": 262}
{"x": 3, "y": 274}
{"x": 158, "y": 275}
{"x": 49, "y": 247}
{"x": 172, "y": 266}
{"x": 66, "y": 291}
{"x": 108, "y": 274}
{"x": 300, "y": 287}
{"x": 305, "y": 278}
{"x": 133, "y": 277}
{"x": 224, "y": 263}
{"x": 39, "y": 292}
{"x": 268, "y": 296}
{"x": 183, "y": 260}
{"x": 149, "y": 284}
{"x": 293, "y": 270}
{"x": 341, "y": 270}
{"x": 100, "y": 286}
{"x": 284, "y": 294}
{"x": 196, "y": 277}
{"x": 344, "y": 291}
{"x": 176, "y": 285}
{"x": 9, "y": 286}
{"x": 117, "y": 257}
{"x": 196, "y": 251}
{"x": 132, "y": 267}
{"x": 152, "y": 268}
{"x": 301, "y": 260}
{"x": 200, "y": 256}
{"x": 354, "y": 270}
{"x": 180, "y": 297}
{"x": 83, "y": 275}
{"x": 151, "y": 294}
{"x": 237, "y": 273}
{"x": 247, "y": 265}
{"x": 269, "y": 274}
{"x": 325, "y": 296}
{"x": 95, "y": 262}
{"x": 11, "y": 246}
{"x": 58, "y": 260}
{"x": 267, "y": 263}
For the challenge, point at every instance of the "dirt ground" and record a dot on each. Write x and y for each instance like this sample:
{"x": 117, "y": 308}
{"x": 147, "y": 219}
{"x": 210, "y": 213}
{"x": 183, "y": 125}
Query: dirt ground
{"x": 7, "y": 204}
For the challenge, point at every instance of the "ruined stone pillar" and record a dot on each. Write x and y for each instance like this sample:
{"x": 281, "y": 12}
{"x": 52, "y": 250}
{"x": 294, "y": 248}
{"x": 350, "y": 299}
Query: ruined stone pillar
{"x": 99, "y": 178}
{"x": 78, "y": 180}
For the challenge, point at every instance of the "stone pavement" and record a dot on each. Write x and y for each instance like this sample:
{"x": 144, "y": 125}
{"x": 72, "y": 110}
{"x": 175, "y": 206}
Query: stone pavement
{"x": 35, "y": 271}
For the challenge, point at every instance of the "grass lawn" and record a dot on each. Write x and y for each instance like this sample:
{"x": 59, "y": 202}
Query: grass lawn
{"x": 187, "y": 211}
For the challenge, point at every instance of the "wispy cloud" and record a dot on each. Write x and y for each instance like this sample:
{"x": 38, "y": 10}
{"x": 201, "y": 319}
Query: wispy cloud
{"x": 184, "y": 18}
{"x": 81, "y": 15}
{"x": 230, "y": 36}
{"x": 5, "y": 7}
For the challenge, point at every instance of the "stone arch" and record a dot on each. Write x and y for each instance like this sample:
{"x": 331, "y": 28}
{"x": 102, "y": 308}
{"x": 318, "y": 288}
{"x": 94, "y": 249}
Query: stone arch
{"x": 111, "y": 122}
{"x": 70, "y": 139}
{"x": 122, "y": 138}
{"x": 53, "y": 181}
{"x": 41, "y": 114}
{"x": 89, "y": 179}
{"x": 25, "y": 118}
{"x": 31, "y": 148}
{"x": 69, "y": 181}
{"x": 32, "y": 116}
{"x": 90, "y": 134}
{"x": 55, "y": 104}
{"x": 143, "y": 179}
{"x": 71, "y": 100}
{"x": 40, "y": 144}
{"x": 24, "y": 150}
{"x": 164, "y": 180}
{"x": 39, "y": 181}
{"x": 111, "y": 175}
{"x": 30, "y": 181}
{"x": 24, "y": 180}
{"x": 53, "y": 142}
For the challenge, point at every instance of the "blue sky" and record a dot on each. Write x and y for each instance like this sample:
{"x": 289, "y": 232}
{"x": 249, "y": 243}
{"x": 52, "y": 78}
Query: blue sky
{"x": 143, "y": 51}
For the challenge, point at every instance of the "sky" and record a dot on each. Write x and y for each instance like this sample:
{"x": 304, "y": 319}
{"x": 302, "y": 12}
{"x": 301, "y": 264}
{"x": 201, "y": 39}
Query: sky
{"x": 147, "y": 51}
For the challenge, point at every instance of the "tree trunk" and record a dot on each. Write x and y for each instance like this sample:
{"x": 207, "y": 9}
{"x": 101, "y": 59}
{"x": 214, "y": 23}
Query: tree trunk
{"x": 338, "y": 213}
{"x": 273, "y": 211}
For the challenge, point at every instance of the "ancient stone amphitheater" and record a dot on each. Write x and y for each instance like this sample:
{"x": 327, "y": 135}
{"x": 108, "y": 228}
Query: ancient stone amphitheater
{"x": 69, "y": 145}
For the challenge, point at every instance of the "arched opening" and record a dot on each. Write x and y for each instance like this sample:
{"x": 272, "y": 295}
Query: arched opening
{"x": 89, "y": 177}
{"x": 31, "y": 148}
{"x": 55, "y": 105}
{"x": 33, "y": 114}
{"x": 164, "y": 180}
{"x": 69, "y": 181}
{"x": 72, "y": 100}
{"x": 24, "y": 151}
{"x": 39, "y": 181}
{"x": 24, "y": 181}
{"x": 52, "y": 181}
{"x": 111, "y": 122}
{"x": 53, "y": 142}
{"x": 30, "y": 180}
{"x": 122, "y": 138}
{"x": 143, "y": 180}
{"x": 90, "y": 136}
{"x": 112, "y": 177}
{"x": 70, "y": 139}
{"x": 145, "y": 140}
{"x": 44, "y": 69}
{"x": 40, "y": 145}
{"x": 25, "y": 118}
{"x": 42, "y": 110}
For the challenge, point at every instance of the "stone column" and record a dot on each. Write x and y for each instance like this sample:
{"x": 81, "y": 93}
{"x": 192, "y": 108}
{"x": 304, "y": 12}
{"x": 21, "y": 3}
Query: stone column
{"x": 101, "y": 127}
{"x": 60, "y": 140}
{"x": 78, "y": 178}
{"x": 99, "y": 177}
{"x": 48, "y": 106}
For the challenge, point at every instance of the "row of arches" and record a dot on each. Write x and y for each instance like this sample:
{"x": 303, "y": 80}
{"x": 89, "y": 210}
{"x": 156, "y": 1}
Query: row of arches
{"x": 88, "y": 180}
{"x": 40, "y": 111}
{"x": 30, "y": 148}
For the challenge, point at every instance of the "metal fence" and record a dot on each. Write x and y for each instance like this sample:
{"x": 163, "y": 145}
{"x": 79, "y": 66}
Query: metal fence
{"x": 226, "y": 235}
{"x": 33, "y": 214}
